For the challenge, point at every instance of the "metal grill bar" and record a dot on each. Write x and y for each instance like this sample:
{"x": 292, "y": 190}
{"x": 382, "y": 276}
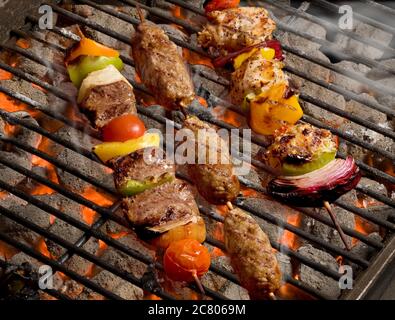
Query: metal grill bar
{"x": 379, "y": 6}
{"x": 331, "y": 27}
{"x": 335, "y": 8}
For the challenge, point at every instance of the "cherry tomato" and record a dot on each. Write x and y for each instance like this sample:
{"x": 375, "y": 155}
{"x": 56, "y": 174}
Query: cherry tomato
{"x": 185, "y": 260}
{"x": 123, "y": 128}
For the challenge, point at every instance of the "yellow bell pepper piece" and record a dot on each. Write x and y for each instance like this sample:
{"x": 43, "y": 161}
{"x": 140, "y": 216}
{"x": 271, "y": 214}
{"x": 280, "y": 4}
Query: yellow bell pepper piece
{"x": 109, "y": 150}
{"x": 267, "y": 53}
{"x": 270, "y": 111}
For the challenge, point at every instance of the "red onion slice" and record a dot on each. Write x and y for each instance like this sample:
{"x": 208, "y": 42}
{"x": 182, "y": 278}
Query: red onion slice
{"x": 313, "y": 188}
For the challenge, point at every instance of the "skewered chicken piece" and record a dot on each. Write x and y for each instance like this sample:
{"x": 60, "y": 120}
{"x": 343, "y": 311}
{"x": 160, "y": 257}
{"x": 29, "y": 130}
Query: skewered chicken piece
{"x": 160, "y": 66}
{"x": 235, "y": 28}
{"x": 105, "y": 95}
{"x": 300, "y": 149}
{"x": 255, "y": 75}
{"x": 251, "y": 254}
{"x": 216, "y": 181}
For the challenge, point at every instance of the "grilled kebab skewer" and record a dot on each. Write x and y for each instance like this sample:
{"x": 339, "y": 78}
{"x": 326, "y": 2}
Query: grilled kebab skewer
{"x": 160, "y": 66}
{"x": 251, "y": 254}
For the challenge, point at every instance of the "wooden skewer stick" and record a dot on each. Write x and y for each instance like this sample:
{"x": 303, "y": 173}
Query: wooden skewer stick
{"x": 140, "y": 13}
{"x": 336, "y": 223}
{"x": 230, "y": 205}
{"x": 198, "y": 283}
{"x": 80, "y": 33}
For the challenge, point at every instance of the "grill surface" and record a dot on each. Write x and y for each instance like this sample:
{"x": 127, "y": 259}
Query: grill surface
{"x": 372, "y": 268}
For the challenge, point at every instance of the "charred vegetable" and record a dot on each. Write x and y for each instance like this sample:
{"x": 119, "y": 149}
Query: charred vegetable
{"x": 300, "y": 149}
{"x": 314, "y": 188}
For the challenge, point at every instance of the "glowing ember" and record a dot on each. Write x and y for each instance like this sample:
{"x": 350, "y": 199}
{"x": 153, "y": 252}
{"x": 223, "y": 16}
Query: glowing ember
{"x": 89, "y": 215}
{"x": 151, "y": 297}
{"x": 43, "y": 249}
{"x": 6, "y": 251}
{"x": 228, "y": 116}
{"x": 202, "y": 101}
{"x": 176, "y": 12}
{"x": 195, "y": 58}
{"x": 216, "y": 252}
{"x": 45, "y": 146}
{"x": 288, "y": 238}
{"x": 5, "y": 75}
{"x": 249, "y": 193}
{"x": 23, "y": 43}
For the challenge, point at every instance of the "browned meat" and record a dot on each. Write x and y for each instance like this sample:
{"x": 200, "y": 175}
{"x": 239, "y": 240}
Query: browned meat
{"x": 104, "y": 103}
{"x": 161, "y": 67}
{"x": 214, "y": 180}
{"x": 233, "y": 29}
{"x": 140, "y": 165}
{"x": 251, "y": 255}
{"x": 256, "y": 75}
{"x": 162, "y": 208}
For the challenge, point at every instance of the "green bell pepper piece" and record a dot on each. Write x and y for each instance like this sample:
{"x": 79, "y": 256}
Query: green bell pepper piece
{"x": 296, "y": 170}
{"x": 87, "y": 64}
{"x": 133, "y": 187}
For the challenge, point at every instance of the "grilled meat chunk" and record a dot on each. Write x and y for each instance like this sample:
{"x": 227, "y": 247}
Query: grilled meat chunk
{"x": 251, "y": 255}
{"x": 163, "y": 208}
{"x": 140, "y": 165}
{"x": 233, "y": 29}
{"x": 254, "y": 76}
{"x": 213, "y": 177}
{"x": 105, "y": 95}
{"x": 160, "y": 67}
{"x": 300, "y": 144}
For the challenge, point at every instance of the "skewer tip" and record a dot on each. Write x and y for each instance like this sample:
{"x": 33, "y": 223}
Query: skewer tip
{"x": 140, "y": 13}
{"x": 272, "y": 296}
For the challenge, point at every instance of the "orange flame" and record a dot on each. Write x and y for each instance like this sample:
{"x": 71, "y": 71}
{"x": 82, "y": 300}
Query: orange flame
{"x": 195, "y": 58}
{"x": 228, "y": 116}
{"x": 288, "y": 238}
{"x": 23, "y": 43}
{"x": 89, "y": 215}
{"x": 43, "y": 249}
{"x": 248, "y": 192}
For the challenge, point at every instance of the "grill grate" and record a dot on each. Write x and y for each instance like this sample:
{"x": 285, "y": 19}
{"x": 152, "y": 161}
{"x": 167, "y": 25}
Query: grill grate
{"x": 109, "y": 213}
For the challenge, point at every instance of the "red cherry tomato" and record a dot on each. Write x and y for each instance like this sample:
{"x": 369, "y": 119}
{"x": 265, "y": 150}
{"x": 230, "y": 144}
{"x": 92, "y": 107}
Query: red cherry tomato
{"x": 123, "y": 128}
{"x": 185, "y": 259}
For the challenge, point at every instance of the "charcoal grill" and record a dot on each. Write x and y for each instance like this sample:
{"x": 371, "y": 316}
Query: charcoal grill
{"x": 367, "y": 270}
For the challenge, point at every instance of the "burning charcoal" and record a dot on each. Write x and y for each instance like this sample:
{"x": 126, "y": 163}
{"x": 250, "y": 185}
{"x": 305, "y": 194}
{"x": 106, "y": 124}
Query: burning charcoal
{"x": 324, "y": 95}
{"x": 370, "y": 136}
{"x": 308, "y": 67}
{"x": 364, "y": 251}
{"x": 365, "y": 112}
{"x": 125, "y": 262}
{"x": 28, "y": 212}
{"x": 40, "y": 50}
{"x": 366, "y": 201}
{"x": 346, "y": 82}
{"x": 110, "y": 22}
{"x": 368, "y": 32}
{"x": 80, "y": 265}
{"x": 273, "y": 208}
{"x": 25, "y": 88}
{"x": 200, "y": 74}
{"x": 298, "y": 42}
{"x": 315, "y": 279}
{"x": 284, "y": 262}
{"x": 79, "y": 162}
{"x": 325, "y": 232}
{"x": 385, "y": 79}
